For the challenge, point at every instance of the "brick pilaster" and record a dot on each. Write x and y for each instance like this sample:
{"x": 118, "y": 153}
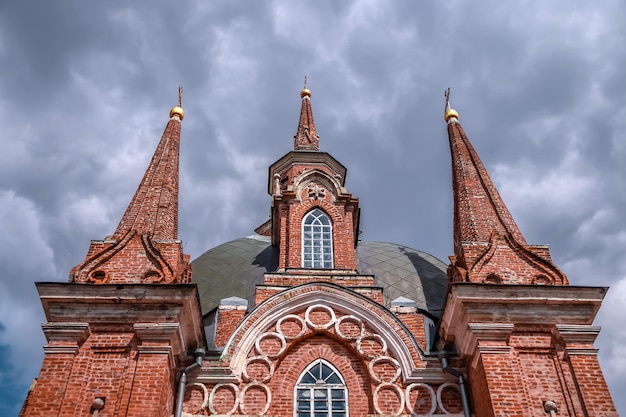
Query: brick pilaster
{"x": 526, "y": 345}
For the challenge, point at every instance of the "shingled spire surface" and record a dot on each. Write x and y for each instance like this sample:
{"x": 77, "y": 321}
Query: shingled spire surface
{"x": 145, "y": 246}
{"x": 488, "y": 245}
{"x": 479, "y": 210}
{"x": 154, "y": 208}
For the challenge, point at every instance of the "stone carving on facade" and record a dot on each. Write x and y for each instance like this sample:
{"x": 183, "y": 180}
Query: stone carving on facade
{"x": 316, "y": 192}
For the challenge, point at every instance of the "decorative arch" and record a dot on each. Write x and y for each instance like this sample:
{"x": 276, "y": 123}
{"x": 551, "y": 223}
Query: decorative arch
{"x": 500, "y": 243}
{"x": 103, "y": 265}
{"x": 317, "y": 177}
{"x": 375, "y": 333}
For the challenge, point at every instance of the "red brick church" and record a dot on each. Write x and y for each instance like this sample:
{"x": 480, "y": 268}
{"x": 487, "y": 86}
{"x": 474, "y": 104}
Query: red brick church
{"x": 302, "y": 319}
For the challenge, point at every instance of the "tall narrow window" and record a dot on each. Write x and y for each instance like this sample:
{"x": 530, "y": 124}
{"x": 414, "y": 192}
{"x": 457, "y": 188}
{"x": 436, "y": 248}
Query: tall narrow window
{"x": 317, "y": 241}
{"x": 321, "y": 392}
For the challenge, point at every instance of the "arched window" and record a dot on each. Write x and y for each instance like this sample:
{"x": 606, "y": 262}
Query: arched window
{"x": 321, "y": 392}
{"x": 317, "y": 240}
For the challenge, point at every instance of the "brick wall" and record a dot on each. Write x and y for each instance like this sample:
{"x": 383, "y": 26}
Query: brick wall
{"x": 121, "y": 343}
{"x": 526, "y": 345}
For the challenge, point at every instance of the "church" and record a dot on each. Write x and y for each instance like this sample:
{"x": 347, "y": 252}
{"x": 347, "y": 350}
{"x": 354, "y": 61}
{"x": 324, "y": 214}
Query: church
{"x": 303, "y": 319}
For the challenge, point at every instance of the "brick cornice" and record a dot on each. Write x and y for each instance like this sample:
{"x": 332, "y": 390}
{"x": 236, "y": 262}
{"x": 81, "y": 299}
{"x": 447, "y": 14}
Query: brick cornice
{"x": 164, "y": 313}
{"x": 577, "y": 339}
{"x": 162, "y": 333}
{"x": 490, "y": 311}
{"x": 74, "y": 332}
{"x": 571, "y": 333}
{"x": 65, "y": 337}
{"x": 311, "y": 158}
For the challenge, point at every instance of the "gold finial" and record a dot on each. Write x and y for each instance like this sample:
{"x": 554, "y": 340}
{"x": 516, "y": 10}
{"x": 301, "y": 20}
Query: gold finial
{"x": 178, "y": 110}
{"x": 449, "y": 113}
{"x": 305, "y": 91}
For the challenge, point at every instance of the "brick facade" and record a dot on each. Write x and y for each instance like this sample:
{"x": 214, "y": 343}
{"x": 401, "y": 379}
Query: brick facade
{"x": 514, "y": 339}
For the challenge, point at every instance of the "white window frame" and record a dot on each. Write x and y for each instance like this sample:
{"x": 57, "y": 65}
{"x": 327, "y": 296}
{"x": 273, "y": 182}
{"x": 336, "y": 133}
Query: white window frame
{"x": 333, "y": 394}
{"x": 317, "y": 240}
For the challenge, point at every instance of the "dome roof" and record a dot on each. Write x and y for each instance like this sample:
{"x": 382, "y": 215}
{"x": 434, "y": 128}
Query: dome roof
{"x": 235, "y": 268}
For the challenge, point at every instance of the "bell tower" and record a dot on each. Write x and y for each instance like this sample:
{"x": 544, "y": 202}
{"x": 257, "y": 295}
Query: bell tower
{"x": 314, "y": 220}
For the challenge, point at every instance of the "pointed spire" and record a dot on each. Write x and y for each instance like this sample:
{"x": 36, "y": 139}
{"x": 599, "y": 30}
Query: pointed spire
{"x": 306, "y": 137}
{"x": 154, "y": 208}
{"x": 145, "y": 246}
{"x": 479, "y": 210}
{"x": 488, "y": 245}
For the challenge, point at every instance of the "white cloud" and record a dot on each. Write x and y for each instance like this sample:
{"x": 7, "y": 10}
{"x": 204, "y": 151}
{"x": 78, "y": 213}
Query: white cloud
{"x": 612, "y": 339}
{"x": 26, "y": 252}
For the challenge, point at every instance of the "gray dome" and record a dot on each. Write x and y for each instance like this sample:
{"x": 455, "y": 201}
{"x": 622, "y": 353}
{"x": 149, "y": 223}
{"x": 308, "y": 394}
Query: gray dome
{"x": 235, "y": 268}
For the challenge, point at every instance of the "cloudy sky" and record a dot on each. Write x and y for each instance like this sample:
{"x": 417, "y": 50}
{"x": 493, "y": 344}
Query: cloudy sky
{"x": 86, "y": 88}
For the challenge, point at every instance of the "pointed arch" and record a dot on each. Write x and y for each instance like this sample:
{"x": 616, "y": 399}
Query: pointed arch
{"x": 320, "y": 177}
{"x": 317, "y": 240}
{"x": 380, "y": 327}
{"x": 321, "y": 390}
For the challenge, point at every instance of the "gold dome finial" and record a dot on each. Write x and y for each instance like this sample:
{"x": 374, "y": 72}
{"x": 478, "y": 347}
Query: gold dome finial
{"x": 305, "y": 91}
{"x": 178, "y": 110}
{"x": 449, "y": 113}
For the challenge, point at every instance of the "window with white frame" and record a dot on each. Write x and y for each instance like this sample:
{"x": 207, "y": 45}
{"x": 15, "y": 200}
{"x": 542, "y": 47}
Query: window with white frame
{"x": 321, "y": 392}
{"x": 317, "y": 240}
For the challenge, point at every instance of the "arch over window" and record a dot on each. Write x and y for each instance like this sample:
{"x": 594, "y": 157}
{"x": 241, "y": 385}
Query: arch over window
{"x": 317, "y": 240}
{"x": 321, "y": 392}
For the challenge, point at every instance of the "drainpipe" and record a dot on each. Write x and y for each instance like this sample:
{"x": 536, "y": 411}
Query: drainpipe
{"x": 183, "y": 380}
{"x": 445, "y": 365}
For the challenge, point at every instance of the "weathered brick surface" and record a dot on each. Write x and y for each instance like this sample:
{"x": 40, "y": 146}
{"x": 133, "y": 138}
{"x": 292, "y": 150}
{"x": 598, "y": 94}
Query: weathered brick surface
{"x": 227, "y": 320}
{"x": 353, "y": 371}
{"x": 306, "y": 136}
{"x": 306, "y": 179}
{"x": 127, "y": 350}
{"x": 522, "y": 354}
{"x": 154, "y": 207}
{"x": 48, "y": 390}
{"x": 414, "y": 321}
{"x": 126, "y": 343}
{"x": 488, "y": 245}
{"x": 593, "y": 391}
{"x": 145, "y": 246}
{"x": 289, "y": 218}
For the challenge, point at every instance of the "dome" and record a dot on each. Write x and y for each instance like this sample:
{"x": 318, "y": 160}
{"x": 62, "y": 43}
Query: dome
{"x": 233, "y": 269}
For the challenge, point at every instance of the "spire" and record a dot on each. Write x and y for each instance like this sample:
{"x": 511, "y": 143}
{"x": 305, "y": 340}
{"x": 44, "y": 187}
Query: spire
{"x": 478, "y": 208}
{"x": 306, "y": 137}
{"x": 488, "y": 245}
{"x": 145, "y": 246}
{"x": 154, "y": 208}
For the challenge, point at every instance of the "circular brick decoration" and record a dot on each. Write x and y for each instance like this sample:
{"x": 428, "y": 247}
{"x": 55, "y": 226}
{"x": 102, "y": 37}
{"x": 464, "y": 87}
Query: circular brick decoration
{"x": 431, "y": 392}
{"x": 219, "y": 387}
